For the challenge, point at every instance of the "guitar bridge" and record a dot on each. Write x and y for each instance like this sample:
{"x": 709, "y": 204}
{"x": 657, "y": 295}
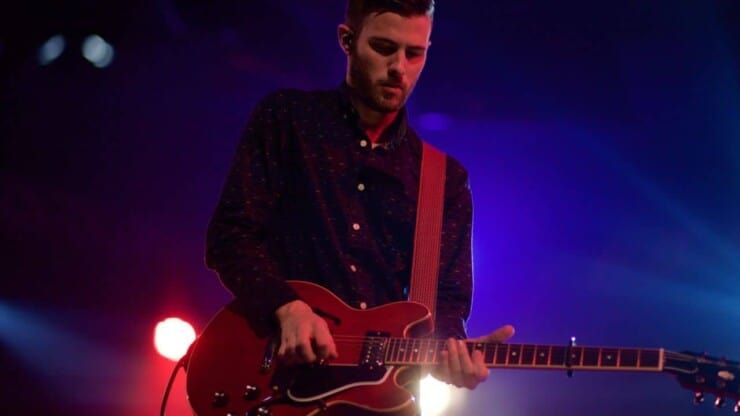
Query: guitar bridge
{"x": 373, "y": 349}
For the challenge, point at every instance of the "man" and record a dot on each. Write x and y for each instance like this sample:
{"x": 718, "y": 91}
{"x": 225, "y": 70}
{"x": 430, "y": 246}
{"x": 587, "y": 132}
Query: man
{"x": 324, "y": 188}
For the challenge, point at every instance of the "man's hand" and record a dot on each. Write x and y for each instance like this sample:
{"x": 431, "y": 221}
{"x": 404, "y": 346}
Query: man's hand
{"x": 463, "y": 369}
{"x": 304, "y": 336}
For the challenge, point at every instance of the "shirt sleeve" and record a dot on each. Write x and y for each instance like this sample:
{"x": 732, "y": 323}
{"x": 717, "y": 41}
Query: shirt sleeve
{"x": 237, "y": 247}
{"x": 455, "y": 288}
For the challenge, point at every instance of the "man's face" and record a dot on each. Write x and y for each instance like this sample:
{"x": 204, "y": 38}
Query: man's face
{"x": 387, "y": 58}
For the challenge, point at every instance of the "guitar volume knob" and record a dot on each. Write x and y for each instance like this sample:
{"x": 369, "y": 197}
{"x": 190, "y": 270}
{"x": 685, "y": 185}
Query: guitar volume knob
{"x": 251, "y": 392}
{"x": 220, "y": 399}
{"x": 263, "y": 411}
{"x": 719, "y": 402}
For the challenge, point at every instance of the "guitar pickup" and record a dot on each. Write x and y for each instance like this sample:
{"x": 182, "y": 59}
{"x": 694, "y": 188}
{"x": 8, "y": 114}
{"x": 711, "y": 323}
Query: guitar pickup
{"x": 373, "y": 349}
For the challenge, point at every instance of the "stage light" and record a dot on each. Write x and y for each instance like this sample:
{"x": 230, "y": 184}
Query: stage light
{"x": 435, "y": 396}
{"x": 96, "y": 50}
{"x": 51, "y": 49}
{"x": 172, "y": 337}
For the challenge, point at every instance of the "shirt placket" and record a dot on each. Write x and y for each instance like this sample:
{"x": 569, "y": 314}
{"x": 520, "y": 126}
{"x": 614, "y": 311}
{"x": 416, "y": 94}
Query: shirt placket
{"x": 357, "y": 228}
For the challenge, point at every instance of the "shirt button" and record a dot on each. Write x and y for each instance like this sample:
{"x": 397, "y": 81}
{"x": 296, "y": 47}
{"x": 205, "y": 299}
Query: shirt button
{"x": 363, "y": 143}
{"x": 363, "y": 305}
{"x": 361, "y": 187}
{"x": 355, "y": 226}
{"x": 353, "y": 267}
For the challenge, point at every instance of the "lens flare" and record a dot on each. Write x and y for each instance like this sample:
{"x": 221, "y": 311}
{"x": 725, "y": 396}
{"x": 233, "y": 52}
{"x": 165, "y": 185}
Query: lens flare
{"x": 172, "y": 338}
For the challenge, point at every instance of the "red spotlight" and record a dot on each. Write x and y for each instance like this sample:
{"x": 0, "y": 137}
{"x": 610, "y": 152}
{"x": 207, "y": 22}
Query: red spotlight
{"x": 172, "y": 337}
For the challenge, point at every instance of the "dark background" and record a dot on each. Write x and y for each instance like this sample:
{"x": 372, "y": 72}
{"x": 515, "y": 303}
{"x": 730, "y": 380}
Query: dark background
{"x": 602, "y": 139}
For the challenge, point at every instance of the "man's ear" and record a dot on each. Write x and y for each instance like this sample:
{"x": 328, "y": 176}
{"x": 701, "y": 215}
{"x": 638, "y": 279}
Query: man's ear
{"x": 346, "y": 37}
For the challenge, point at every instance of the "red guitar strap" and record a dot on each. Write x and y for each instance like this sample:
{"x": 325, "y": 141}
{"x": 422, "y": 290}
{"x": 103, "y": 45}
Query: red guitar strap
{"x": 428, "y": 233}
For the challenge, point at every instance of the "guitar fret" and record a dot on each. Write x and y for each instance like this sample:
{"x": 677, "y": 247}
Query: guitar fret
{"x": 403, "y": 351}
{"x": 489, "y": 353}
{"x": 527, "y": 355}
{"x": 389, "y": 350}
{"x": 557, "y": 356}
{"x": 427, "y": 351}
{"x": 576, "y": 357}
{"x": 429, "y": 356}
{"x": 590, "y": 357}
{"x": 542, "y": 356}
{"x": 517, "y": 355}
{"x": 511, "y": 355}
{"x": 628, "y": 358}
{"x": 609, "y": 357}
{"x": 502, "y": 355}
{"x": 650, "y": 359}
{"x": 410, "y": 351}
{"x": 420, "y": 351}
{"x": 402, "y": 348}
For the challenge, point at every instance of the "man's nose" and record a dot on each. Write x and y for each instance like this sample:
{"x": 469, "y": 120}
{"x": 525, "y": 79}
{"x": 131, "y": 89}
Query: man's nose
{"x": 398, "y": 64}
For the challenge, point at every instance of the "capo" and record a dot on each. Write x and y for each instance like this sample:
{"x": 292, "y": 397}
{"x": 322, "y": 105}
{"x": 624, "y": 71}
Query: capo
{"x": 569, "y": 356}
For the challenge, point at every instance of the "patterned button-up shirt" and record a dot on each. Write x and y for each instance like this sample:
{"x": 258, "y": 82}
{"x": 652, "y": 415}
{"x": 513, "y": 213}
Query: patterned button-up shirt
{"x": 309, "y": 198}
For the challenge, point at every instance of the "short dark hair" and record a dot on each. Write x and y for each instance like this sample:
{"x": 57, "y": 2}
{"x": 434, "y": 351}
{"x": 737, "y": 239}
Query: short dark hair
{"x": 357, "y": 10}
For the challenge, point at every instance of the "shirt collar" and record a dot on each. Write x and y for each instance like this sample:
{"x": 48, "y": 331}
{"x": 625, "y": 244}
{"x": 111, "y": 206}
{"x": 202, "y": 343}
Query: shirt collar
{"x": 394, "y": 135}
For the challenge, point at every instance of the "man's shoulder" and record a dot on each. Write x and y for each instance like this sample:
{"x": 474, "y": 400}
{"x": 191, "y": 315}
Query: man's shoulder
{"x": 454, "y": 166}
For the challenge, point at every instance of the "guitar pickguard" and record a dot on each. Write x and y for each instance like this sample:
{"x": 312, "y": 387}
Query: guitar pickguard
{"x": 318, "y": 383}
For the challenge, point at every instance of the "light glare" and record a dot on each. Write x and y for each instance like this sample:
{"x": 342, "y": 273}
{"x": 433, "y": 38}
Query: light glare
{"x": 435, "y": 396}
{"x": 52, "y": 49}
{"x": 96, "y": 50}
{"x": 172, "y": 338}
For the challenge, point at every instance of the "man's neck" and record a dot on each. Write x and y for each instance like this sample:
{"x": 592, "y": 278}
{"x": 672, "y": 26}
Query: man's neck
{"x": 374, "y": 123}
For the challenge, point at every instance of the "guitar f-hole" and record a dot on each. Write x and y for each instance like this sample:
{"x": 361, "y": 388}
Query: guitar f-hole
{"x": 325, "y": 315}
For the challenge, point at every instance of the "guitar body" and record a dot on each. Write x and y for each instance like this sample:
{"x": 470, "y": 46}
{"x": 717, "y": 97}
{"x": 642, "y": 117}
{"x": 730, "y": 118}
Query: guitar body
{"x": 233, "y": 367}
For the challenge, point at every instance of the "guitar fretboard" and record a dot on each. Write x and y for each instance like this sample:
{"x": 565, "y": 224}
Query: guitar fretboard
{"x": 421, "y": 351}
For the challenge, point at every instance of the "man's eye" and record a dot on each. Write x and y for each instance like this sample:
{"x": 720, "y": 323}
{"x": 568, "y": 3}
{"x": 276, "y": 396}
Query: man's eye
{"x": 384, "y": 49}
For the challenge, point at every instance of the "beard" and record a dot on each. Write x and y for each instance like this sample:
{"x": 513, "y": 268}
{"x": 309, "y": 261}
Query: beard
{"x": 374, "y": 94}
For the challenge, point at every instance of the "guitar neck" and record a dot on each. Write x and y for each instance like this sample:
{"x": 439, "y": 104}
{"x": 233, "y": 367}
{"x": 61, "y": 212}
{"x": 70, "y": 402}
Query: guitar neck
{"x": 420, "y": 351}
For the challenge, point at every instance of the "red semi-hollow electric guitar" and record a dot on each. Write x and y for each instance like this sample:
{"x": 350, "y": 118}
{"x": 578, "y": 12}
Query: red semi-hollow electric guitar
{"x": 233, "y": 370}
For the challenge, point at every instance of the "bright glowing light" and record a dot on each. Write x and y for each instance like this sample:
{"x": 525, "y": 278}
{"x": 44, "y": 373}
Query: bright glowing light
{"x": 172, "y": 337}
{"x": 435, "y": 396}
{"x": 96, "y": 50}
{"x": 52, "y": 49}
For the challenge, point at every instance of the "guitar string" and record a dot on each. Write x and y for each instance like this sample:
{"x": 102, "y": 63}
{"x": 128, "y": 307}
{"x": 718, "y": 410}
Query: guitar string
{"x": 436, "y": 344}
